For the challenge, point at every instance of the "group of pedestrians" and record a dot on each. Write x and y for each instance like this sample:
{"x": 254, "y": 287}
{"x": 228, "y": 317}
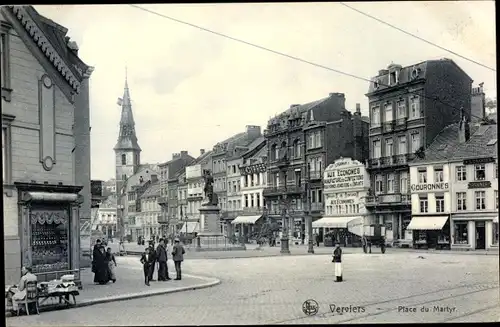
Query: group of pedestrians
{"x": 103, "y": 263}
{"x": 151, "y": 256}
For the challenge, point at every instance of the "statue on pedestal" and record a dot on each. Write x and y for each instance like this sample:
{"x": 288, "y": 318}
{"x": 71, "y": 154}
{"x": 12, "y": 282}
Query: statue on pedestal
{"x": 212, "y": 199}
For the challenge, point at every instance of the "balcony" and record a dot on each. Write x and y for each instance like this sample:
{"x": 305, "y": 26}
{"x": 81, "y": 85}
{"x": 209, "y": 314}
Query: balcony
{"x": 281, "y": 190}
{"x": 282, "y": 162}
{"x": 182, "y": 201}
{"x": 401, "y": 124}
{"x": 315, "y": 175}
{"x": 254, "y": 210}
{"x": 162, "y": 200}
{"x": 387, "y": 199}
{"x": 315, "y": 207}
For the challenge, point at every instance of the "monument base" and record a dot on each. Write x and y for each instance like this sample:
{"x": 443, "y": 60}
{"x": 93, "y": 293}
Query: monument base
{"x": 213, "y": 242}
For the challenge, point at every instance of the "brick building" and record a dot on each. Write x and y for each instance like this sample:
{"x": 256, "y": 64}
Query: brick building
{"x": 409, "y": 106}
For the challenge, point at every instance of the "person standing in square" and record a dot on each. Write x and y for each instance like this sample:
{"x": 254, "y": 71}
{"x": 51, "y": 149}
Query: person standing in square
{"x": 148, "y": 263}
{"x": 337, "y": 260}
{"x": 178, "y": 256}
{"x": 161, "y": 257}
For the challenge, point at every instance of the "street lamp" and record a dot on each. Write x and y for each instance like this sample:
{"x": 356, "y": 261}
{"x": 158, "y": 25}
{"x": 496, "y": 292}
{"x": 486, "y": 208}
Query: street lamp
{"x": 310, "y": 248}
{"x": 285, "y": 249}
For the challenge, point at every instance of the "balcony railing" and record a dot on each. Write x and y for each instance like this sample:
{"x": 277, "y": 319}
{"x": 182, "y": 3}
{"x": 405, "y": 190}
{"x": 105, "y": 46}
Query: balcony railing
{"x": 384, "y": 199}
{"x": 254, "y": 210}
{"x": 315, "y": 175}
{"x": 317, "y": 207}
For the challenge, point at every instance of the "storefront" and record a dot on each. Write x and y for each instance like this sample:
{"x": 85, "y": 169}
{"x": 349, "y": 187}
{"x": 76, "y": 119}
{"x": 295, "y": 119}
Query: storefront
{"x": 474, "y": 231}
{"x": 430, "y": 232}
{"x": 50, "y": 229}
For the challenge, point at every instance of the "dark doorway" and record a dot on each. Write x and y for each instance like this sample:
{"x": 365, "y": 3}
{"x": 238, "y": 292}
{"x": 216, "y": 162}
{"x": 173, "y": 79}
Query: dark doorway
{"x": 480, "y": 236}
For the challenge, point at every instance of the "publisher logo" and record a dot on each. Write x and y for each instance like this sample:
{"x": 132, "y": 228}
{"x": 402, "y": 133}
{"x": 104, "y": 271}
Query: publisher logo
{"x": 310, "y": 307}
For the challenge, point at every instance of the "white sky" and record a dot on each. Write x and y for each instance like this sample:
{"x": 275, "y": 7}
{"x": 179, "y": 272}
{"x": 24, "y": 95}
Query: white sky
{"x": 191, "y": 89}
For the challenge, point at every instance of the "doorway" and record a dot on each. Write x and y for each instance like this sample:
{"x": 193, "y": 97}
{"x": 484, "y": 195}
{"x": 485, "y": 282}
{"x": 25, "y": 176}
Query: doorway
{"x": 480, "y": 235}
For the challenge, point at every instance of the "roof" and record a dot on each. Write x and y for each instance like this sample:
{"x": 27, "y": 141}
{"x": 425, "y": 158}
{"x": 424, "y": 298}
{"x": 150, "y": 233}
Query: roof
{"x": 477, "y": 146}
{"x": 255, "y": 147}
{"x": 127, "y": 138}
{"x": 298, "y": 110}
{"x": 201, "y": 158}
{"x": 51, "y": 38}
{"x": 151, "y": 191}
{"x": 446, "y": 145}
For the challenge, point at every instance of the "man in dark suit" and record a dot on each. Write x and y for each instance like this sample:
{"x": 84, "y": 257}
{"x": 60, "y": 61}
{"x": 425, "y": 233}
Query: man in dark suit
{"x": 178, "y": 256}
{"x": 162, "y": 258}
{"x": 148, "y": 263}
{"x": 152, "y": 251}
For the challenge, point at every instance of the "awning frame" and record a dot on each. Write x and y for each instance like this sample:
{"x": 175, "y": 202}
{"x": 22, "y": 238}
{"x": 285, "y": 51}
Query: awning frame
{"x": 427, "y": 222}
{"x": 246, "y": 220}
{"x": 333, "y": 222}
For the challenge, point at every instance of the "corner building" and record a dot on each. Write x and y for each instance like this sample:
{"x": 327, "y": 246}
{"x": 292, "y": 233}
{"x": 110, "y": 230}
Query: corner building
{"x": 409, "y": 106}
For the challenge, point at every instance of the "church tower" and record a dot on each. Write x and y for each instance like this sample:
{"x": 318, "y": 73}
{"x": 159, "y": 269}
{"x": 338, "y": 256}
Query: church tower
{"x": 127, "y": 150}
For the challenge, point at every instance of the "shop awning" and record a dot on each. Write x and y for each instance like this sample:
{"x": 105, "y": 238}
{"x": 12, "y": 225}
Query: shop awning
{"x": 192, "y": 227}
{"x": 246, "y": 220}
{"x": 332, "y": 222}
{"x": 427, "y": 223}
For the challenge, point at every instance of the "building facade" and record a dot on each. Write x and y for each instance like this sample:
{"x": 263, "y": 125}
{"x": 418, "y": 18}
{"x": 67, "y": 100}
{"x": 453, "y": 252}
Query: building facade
{"x": 196, "y": 183}
{"x": 346, "y": 184}
{"x": 107, "y": 222}
{"x": 147, "y": 215}
{"x": 301, "y": 141}
{"x": 455, "y": 189}
{"x": 404, "y": 119}
{"x": 46, "y": 145}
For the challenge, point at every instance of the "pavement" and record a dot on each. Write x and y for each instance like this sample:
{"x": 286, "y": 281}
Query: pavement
{"x": 130, "y": 285}
{"x": 393, "y": 287}
{"x": 254, "y": 251}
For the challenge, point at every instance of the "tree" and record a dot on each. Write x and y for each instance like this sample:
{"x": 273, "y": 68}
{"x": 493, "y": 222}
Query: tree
{"x": 491, "y": 105}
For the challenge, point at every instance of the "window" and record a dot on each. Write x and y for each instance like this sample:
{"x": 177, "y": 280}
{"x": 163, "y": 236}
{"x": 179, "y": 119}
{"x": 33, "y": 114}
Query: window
{"x": 5, "y": 62}
{"x": 388, "y": 117}
{"x": 318, "y": 139}
{"x": 424, "y": 204}
{"x": 378, "y": 184}
{"x": 313, "y": 196}
{"x": 438, "y": 175}
{"x": 390, "y": 183}
{"x": 403, "y": 188}
{"x": 276, "y": 179}
{"x": 414, "y": 107}
{"x": 124, "y": 159}
{"x": 394, "y": 78}
{"x": 480, "y": 172}
{"x": 238, "y": 183}
{"x": 257, "y": 196}
{"x": 439, "y": 203}
{"x": 377, "y": 151}
{"x": 496, "y": 199}
{"x": 401, "y": 109}
{"x": 252, "y": 203}
{"x": 274, "y": 152}
{"x": 311, "y": 140}
{"x": 296, "y": 148}
{"x": 402, "y": 145}
{"x": 376, "y": 116}
{"x": 320, "y": 196}
{"x": 388, "y": 148}
{"x": 480, "y": 200}
{"x": 461, "y": 235}
{"x": 415, "y": 142}
{"x": 495, "y": 233}
{"x": 461, "y": 173}
{"x": 422, "y": 176}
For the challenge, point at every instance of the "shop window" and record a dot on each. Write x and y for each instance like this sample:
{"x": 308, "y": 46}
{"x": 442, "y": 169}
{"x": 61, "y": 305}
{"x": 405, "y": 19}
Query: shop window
{"x": 496, "y": 200}
{"x": 438, "y": 175}
{"x": 495, "y": 233}
{"x": 461, "y": 173}
{"x": 461, "y": 233}
{"x": 480, "y": 200}
{"x": 50, "y": 240}
{"x": 422, "y": 176}
{"x": 461, "y": 201}
{"x": 439, "y": 203}
{"x": 480, "y": 172}
{"x": 424, "y": 204}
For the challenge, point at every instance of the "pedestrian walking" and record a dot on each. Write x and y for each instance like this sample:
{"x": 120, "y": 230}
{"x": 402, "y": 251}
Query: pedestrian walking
{"x": 111, "y": 265}
{"x": 316, "y": 238}
{"x": 337, "y": 260}
{"x": 178, "y": 257}
{"x": 148, "y": 262}
{"x": 162, "y": 258}
{"x": 100, "y": 266}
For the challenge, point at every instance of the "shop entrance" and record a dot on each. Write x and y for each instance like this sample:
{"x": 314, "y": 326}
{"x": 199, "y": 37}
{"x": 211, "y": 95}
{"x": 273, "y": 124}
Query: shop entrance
{"x": 480, "y": 236}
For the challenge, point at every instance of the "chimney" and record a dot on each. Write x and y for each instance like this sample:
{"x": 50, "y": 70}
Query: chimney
{"x": 463, "y": 128}
{"x": 202, "y": 152}
{"x": 294, "y": 105}
{"x": 358, "y": 109}
{"x": 154, "y": 178}
{"x": 184, "y": 153}
{"x": 176, "y": 155}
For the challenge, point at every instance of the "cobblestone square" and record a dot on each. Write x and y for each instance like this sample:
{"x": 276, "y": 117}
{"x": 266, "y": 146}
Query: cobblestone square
{"x": 432, "y": 287}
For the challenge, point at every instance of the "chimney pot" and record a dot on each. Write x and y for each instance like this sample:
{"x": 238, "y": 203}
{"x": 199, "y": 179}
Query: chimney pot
{"x": 202, "y": 152}
{"x": 358, "y": 107}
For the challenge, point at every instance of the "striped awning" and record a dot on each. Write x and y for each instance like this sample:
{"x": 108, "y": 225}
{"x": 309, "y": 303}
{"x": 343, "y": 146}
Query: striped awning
{"x": 427, "y": 223}
{"x": 332, "y": 222}
{"x": 246, "y": 220}
{"x": 192, "y": 227}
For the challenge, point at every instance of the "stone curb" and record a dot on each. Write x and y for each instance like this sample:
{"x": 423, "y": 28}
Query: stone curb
{"x": 133, "y": 296}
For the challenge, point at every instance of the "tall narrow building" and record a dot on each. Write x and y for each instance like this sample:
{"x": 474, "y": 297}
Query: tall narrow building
{"x": 127, "y": 150}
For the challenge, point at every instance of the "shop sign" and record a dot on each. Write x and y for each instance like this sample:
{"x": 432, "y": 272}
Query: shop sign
{"x": 478, "y": 161}
{"x": 442, "y": 186}
{"x": 344, "y": 178}
{"x": 342, "y": 201}
{"x": 483, "y": 184}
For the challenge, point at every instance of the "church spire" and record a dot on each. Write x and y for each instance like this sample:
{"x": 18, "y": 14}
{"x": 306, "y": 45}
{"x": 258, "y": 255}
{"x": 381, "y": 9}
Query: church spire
{"x": 127, "y": 139}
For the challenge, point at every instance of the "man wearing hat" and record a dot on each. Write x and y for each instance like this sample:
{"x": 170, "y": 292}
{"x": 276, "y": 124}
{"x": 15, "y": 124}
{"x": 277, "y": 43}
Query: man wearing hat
{"x": 153, "y": 257}
{"x": 178, "y": 256}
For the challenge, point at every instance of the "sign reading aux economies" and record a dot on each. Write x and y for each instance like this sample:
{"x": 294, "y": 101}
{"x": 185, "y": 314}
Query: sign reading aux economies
{"x": 344, "y": 173}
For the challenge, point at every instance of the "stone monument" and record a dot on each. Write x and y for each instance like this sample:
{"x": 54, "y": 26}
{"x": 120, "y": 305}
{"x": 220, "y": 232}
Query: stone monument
{"x": 210, "y": 237}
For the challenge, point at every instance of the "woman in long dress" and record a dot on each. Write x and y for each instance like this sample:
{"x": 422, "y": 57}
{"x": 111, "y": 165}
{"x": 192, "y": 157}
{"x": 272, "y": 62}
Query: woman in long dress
{"x": 101, "y": 267}
{"x": 110, "y": 258}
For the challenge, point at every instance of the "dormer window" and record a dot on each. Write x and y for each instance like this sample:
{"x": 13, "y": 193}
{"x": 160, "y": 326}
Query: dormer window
{"x": 415, "y": 72}
{"x": 394, "y": 77}
{"x": 376, "y": 84}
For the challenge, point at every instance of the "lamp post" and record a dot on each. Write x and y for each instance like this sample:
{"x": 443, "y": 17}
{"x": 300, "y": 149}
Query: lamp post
{"x": 310, "y": 248}
{"x": 285, "y": 249}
